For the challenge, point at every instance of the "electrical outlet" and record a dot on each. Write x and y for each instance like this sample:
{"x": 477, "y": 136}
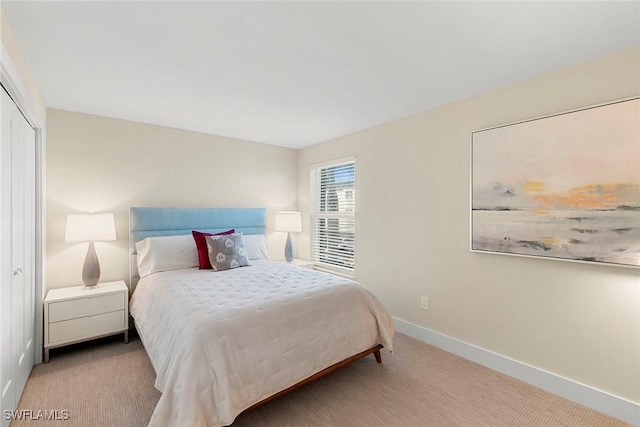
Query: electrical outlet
{"x": 424, "y": 303}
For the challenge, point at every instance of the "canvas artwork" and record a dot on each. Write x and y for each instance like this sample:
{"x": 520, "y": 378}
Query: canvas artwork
{"x": 565, "y": 186}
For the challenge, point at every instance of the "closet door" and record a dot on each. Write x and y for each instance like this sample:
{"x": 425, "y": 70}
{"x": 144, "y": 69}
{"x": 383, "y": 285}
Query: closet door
{"x": 17, "y": 216}
{"x": 22, "y": 248}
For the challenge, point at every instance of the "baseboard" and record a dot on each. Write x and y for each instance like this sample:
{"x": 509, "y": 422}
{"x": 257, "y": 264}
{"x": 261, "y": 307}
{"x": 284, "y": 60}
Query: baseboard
{"x": 599, "y": 400}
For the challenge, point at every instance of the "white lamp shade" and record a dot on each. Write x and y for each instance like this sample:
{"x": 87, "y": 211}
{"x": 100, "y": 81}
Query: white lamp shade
{"x": 90, "y": 228}
{"x": 289, "y": 221}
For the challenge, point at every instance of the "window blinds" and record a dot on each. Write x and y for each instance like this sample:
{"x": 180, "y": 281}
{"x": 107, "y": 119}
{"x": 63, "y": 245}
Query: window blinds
{"x": 333, "y": 215}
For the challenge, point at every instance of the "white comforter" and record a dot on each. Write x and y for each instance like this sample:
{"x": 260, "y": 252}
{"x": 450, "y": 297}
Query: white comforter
{"x": 220, "y": 342}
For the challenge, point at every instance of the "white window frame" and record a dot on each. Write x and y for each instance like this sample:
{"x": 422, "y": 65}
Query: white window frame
{"x": 315, "y": 214}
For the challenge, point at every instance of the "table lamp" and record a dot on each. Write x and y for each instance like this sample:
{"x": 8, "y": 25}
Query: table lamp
{"x": 290, "y": 222}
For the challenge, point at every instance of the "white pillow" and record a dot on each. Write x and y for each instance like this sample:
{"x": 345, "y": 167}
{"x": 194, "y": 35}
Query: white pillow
{"x": 166, "y": 253}
{"x": 255, "y": 245}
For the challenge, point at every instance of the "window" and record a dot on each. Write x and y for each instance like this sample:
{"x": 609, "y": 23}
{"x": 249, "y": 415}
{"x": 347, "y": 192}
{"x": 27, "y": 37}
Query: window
{"x": 333, "y": 221}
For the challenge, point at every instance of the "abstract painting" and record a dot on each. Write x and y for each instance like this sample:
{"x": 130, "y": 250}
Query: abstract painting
{"x": 565, "y": 186}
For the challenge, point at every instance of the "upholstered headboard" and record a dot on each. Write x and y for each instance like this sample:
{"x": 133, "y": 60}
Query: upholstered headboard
{"x": 148, "y": 222}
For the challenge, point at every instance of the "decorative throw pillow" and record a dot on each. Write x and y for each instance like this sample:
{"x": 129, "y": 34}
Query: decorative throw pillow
{"x": 201, "y": 246}
{"x": 227, "y": 251}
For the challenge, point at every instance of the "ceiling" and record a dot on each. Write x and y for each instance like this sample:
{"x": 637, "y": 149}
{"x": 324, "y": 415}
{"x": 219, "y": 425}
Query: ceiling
{"x": 295, "y": 74}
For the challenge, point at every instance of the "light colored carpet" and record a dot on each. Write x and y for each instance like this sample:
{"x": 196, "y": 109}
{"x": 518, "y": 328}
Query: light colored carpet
{"x": 107, "y": 383}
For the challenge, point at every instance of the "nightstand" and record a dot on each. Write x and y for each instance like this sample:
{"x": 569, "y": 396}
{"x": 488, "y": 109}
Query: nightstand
{"x": 77, "y": 314}
{"x": 302, "y": 263}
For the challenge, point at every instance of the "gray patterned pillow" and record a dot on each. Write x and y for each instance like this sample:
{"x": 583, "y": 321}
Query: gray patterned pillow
{"x": 227, "y": 251}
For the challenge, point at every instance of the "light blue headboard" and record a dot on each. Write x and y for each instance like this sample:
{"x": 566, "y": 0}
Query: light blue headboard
{"x": 148, "y": 222}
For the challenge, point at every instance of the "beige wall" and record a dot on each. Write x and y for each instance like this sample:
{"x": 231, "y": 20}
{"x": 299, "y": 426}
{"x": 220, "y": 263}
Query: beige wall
{"x": 413, "y": 178}
{"x": 17, "y": 58}
{"x": 107, "y": 165}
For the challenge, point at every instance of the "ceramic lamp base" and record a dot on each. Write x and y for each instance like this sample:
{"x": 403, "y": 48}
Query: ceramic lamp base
{"x": 91, "y": 268}
{"x": 288, "y": 249}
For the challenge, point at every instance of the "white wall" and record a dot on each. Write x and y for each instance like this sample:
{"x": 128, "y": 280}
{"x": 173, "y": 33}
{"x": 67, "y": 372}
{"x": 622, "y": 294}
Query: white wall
{"x": 107, "y": 165}
{"x": 413, "y": 187}
{"x": 17, "y": 57}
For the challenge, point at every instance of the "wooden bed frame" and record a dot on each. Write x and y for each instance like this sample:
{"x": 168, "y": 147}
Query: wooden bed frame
{"x": 147, "y": 222}
{"x": 375, "y": 350}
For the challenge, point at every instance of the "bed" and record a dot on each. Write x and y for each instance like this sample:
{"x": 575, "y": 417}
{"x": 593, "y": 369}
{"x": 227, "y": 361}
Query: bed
{"x": 224, "y": 342}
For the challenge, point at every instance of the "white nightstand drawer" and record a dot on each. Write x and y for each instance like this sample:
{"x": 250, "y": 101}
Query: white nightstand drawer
{"x": 86, "y": 326}
{"x": 91, "y": 305}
